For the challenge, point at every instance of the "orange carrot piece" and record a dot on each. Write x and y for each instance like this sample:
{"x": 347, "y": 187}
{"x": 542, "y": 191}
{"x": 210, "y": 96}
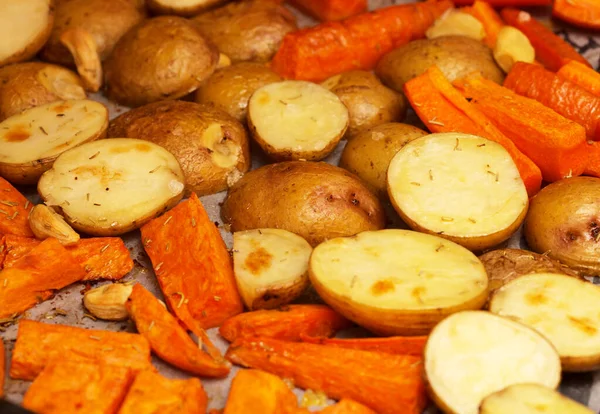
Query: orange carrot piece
{"x": 552, "y": 51}
{"x": 152, "y": 393}
{"x": 264, "y": 392}
{"x": 582, "y": 13}
{"x": 556, "y": 144}
{"x": 2, "y": 251}
{"x": 14, "y": 211}
{"x": 215, "y": 411}
{"x": 400, "y": 345}
{"x": 491, "y": 20}
{"x": 388, "y": 384}
{"x": 193, "y": 266}
{"x": 17, "y": 247}
{"x": 38, "y": 343}
{"x": 36, "y": 276}
{"x": 329, "y": 10}
{"x": 66, "y": 387}
{"x": 581, "y": 75}
{"x": 2, "y": 367}
{"x": 593, "y": 166}
{"x": 288, "y": 323}
{"x": 506, "y": 3}
{"x": 168, "y": 339}
{"x": 557, "y": 93}
{"x": 347, "y": 406}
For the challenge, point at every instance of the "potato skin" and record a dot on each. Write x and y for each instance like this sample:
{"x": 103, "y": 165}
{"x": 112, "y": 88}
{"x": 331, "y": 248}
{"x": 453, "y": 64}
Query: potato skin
{"x": 369, "y": 153}
{"x": 163, "y": 58}
{"x": 369, "y": 102}
{"x": 159, "y": 7}
{"x": 564, "y": 221}
{"x": 230, "y": 88}
{"x": 178, "y": 127}
{"x": 315, "y": 200}
{"x": 249, "y": 30}
{"x": 456, "y": 56}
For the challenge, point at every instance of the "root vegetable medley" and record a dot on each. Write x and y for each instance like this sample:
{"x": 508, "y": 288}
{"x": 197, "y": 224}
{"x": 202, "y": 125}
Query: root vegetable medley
{"x": 446, "y": 258}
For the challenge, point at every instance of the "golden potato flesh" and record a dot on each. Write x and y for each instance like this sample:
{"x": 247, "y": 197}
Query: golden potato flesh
{"x": 317, "y": 201}
{"x": 230, "y": 88}
{"x": 210, "y": 145}
{"x": 369, "y": 153}
{"x": 163, "y": 58}
{"x": 184, "y": 8}
{"x": 369, "y": 103}
{"x": 564, "y": 222}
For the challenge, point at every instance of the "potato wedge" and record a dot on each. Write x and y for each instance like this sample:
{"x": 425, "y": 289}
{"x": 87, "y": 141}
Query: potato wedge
{"x": 470, "y": 355}
{"x": 31, "y": 141}
{"x": 462, "y": 187}
{"x": 186, "y": 8}
{"x": 25, "y": 25}
{"x": 111, "y": 186}
{"x": 562, "y": 308}
{"x": 296, "y": 120}
{"x": 530, "y": 399}
{"x": 397, "y": 282}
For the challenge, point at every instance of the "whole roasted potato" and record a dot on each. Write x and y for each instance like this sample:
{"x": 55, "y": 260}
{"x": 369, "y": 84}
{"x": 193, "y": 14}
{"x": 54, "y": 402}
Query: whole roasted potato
{"x": 456, "y": 56}
{"x": 369, "y": 103}
{"x": 184, "y": 8}
{"x": 315, "y": 200}
{"x": 230, "y": 88}
{"x": 163, "y": 58}
{"x": 25, "y": 85}
{"x": 564, "y": 222}
{"x": 211, "y": 146}
{"x": 247, "y": 30}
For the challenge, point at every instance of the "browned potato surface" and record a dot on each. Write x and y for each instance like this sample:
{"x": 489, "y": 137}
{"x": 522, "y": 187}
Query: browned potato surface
{"x": 184, "y": 8}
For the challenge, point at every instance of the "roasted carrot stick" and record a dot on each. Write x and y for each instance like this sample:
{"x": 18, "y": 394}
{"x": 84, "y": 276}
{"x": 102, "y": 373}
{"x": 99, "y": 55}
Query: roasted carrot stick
{"x": 400, "y": 345}
{"x": 38, "y": 343}
{"x": 288, "y": 323}
{"x": 507, "y": 3}
{"x": 36, "y": 276}
{"x": 193, "y": 266}
{"x": 383, "y": 382}
{"x": 557, "y": 93}
{"x": 66, "y": 387}
{"x": 2, "y": 251}
{"x": 329, "y": 10}
{"x": 581, "y": 75}
{"x": 358, "y": 42}
{"x": 556, "y": 144}
{"x": 582, "y": 13}
{"x": 152, "y": 393}
{"x": 443, "y": 109}
{"x": 491, "y": 20}
{"x": 14, "y": 211}
{"x": 347, "y": 406}
{"x": 168, "y": 339}
{"x": 2, "y": 367}
{"x": 550, "y": 50}
{"x": 593, "y": 166}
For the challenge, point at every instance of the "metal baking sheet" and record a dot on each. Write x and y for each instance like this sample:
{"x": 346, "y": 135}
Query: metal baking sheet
{"x": 583, "y": 387}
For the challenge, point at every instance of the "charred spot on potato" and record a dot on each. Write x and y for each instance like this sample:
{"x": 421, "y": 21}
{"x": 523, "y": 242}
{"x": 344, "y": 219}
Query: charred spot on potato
{"x": 258, "y": 260}
{"x": 17, "y": 134}
{"x": 536, "y": 298}
{"x": 382, "y": 287}
{"x": 583, "y": 324}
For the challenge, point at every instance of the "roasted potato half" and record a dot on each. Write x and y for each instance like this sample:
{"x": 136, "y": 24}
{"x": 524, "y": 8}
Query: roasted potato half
{"x": 316, "y": 201}
{"x": 462, "y": 187}
{"x": 31, "y": 141}
{"x": 230, "y": 88}
{"x": 111, "y": 186}
{"x": 270, "y": 266}
{"x": 563, "y": 309}
{"x": 397, "y": 282}
{"x": 25, "y": 85}
{"x": 296, "y": 120}
{"x": 211, "y": 147}
{"x": 163, "y": 58}
{"x": 186, "y": 8}
{"x": 471, "y": 354}
{"x": 25, "y": 26}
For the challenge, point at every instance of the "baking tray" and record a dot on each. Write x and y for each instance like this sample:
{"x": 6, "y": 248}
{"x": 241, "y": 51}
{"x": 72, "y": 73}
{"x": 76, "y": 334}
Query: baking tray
{"x": 583, "y": 387}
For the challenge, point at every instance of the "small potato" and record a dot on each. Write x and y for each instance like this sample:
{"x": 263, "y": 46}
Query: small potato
{"x": 369, "y": 153}
{"x": 185, "y": 8}
{"x": 316, "y": 201}
{"x": 163, "y": 58}
{"x": 211, "y": 147}
{"x": 296, "y": 120}
{"x": 25, "y": 85}
{"x": 230, "y": 88}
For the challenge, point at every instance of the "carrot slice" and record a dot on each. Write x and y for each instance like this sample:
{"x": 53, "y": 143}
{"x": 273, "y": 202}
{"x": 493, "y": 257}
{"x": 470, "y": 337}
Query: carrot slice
{"x": 400, "y": 345}
{"x": 347, "y": 406}
{"x": 328, "y": 10}
{"x": 582, "y": 13}
{"x": 506, "y": 3}
{"x": 14, "y": 211}
{"x": 38, "y": 343}
{"x": 593, "y": 166}
{"x": 36, "y": 276}
{"x": 168, "y": 339}
{"x": 491, "y": 20}
{"x": 581, "y": 75}
{"x": 193, "y": 266}
{"x": 2, "y": 251}
{"x": 388, "y": 384}
{"x": 2, "y": 367}
{"x": 556, "y": 144}
{"x": 66, "y": 387}
{"x": 552, "y": 51}
{"x": 152, "y": 393}
{"x": 287, "y": 323}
